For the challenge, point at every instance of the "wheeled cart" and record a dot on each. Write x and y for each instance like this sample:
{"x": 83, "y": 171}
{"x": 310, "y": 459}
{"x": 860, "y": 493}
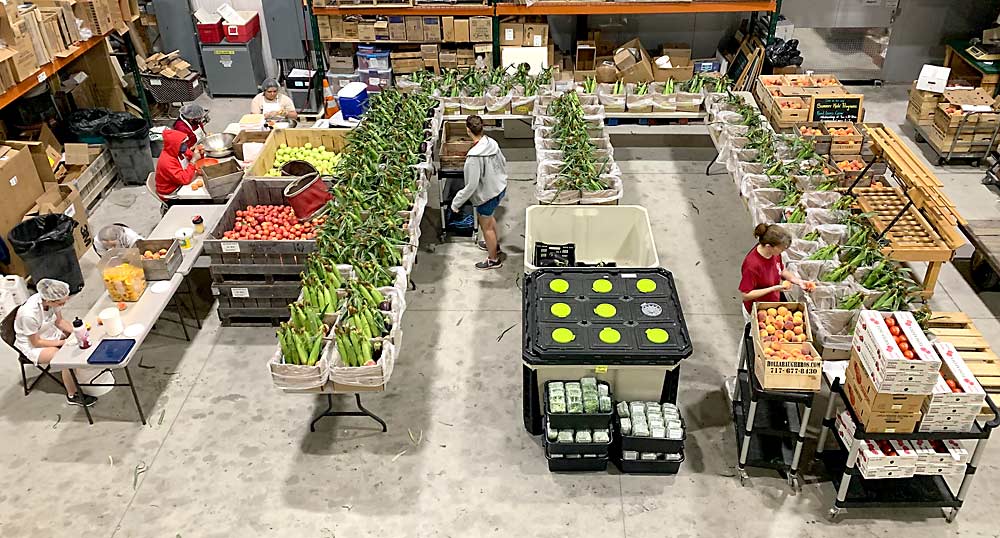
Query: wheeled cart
{"x": 920, "y": 491}
{"x": 770, "y": 425}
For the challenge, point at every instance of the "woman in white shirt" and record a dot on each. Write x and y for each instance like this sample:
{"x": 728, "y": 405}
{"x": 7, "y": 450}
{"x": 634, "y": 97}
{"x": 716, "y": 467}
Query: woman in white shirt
{"x": 272, "y": 104}
{"x": 115, "y": 236}
{"x": 41, "y": 331}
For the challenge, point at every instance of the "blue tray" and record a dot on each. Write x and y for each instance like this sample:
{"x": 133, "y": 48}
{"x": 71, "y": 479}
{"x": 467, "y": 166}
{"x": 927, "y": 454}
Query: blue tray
{"x": 111, "y": 351}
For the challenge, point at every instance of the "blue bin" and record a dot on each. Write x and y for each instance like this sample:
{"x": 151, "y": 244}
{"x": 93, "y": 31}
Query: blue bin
{"x": 353, "y": 100}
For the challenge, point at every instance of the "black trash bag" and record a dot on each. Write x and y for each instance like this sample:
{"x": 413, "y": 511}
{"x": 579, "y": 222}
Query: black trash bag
{"x": 87, "y": 122}
{"x": 122, "y": 125}
{"x": 45, "y": 233}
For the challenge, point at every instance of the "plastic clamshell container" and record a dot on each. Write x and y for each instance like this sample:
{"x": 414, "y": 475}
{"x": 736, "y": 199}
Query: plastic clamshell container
{"x": 578, "y": 421}
{"x": 619, "y": 234}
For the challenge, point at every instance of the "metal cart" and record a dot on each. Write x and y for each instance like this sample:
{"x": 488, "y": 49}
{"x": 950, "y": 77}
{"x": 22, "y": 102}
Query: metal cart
{"x": 445, "y": 175}
{"x": 920, "y": 491}
{"x": 770, "y": 425}
{"x": 978, "y": 149}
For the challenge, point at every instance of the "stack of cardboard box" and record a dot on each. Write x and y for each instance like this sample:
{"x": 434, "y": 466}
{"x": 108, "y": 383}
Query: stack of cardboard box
{"x": 169, "y": 65}
{"x": 402, "y": 29}
{"x": 957, "y": 398}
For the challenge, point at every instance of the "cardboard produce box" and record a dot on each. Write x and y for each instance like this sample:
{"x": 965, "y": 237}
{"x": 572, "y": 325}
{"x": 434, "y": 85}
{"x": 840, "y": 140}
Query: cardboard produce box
{"x": 65, "y": 199}
{"x": 366, "y": 31}
{"x": 536, "y": 35}
{"x": 397, "y": 28}
{"x": 774, "y": 371}
{"x": 633, "y": 62}
{"x": 448, "y": 29}
{"x": 481, "y": 29}
{"x": 680, "y": 58}
{"x": 414, "y": 28}
{"x": 512, "y": 33}
{"x": 432, "y": 29}
{"x": 20, "y": 187}
{"x": 879, "y": 412}
{"x": 462, "y": 30}
{"x": 883, "y": 360}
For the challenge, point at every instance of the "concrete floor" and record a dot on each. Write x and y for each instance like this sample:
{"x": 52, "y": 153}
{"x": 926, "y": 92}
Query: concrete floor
{"x": 226, "y": 454}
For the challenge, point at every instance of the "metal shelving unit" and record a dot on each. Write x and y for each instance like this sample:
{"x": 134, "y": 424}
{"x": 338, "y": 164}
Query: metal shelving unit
{"x": 770, "y": 425}
{"x": 921, "y": 491}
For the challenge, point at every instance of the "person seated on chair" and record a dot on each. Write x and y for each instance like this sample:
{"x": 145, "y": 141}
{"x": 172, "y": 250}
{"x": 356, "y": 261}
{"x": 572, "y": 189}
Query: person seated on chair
{"x": 115, "y": 236}
{"x": 192, "y": 118}
{"x": 272, "y": 104}
{"x": 175, "y": 166}
{"x": 41, "y": 331}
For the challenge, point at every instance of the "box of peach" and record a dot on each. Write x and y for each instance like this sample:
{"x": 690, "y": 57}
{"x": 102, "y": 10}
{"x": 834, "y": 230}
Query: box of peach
{"x": 784, "y": 357}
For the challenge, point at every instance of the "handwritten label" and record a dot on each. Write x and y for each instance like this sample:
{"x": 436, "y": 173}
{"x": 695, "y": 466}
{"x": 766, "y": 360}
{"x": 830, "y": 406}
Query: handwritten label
{"x": 837, "y": 108}
{"x": 600, "y": 369}
{"x": 231, "y": 248}
{"x": 240, "y": 293}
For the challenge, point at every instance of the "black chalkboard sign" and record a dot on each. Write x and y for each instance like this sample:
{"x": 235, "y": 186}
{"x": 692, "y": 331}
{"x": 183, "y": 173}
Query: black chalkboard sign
{"x": 739, "y": 63}
{"x": 844, "y": 107}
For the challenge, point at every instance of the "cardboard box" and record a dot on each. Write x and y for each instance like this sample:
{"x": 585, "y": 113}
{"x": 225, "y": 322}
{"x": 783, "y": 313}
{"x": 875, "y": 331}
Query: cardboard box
{"x": 786, "y": 374}
{"x": 511, "y": 33}
{"x": 351, "y": 29}
{"x": 448, "y": 29}
{"x": 484, "y": 51}
{"x": 397, "y": 28}
{"x": 536, "y": 35}
{"x": 382, "y": 30}
{"x": 66, "y": 199}
{"x": 366, "y": 31}
{"x": 887, "y": 459}
{"x": 954, "y": 368}
{"x": 864, "y": 399}
{"x": 414, "y": 28}
{"x": 889, "y": 369}
{"x": 680, "y": 59}
{"x": 77, "y": 154}
{"x": 586, "y": 56}
{"x": 481, "y": 29}
{"x": 432, "y": 28}
{"x": 20, "y": 187}
{"x": 462, "y": 34}
{"x": 633, "y": 62}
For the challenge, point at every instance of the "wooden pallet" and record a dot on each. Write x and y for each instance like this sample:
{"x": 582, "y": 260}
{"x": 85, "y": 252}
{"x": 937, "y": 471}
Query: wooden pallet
{"x": 923, "y": 186}
{"x": 252, "y": 317}
{"x": 958, "y": 329}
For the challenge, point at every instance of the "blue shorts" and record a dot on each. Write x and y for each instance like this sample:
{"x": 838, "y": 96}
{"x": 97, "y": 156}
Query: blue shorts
{"x": 491, "y": 205}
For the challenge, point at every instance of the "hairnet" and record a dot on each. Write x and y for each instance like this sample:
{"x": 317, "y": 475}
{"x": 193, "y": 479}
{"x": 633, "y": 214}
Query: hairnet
{"x": 111, "y": 233}
{"x": 52, "y": 290}
{"x": 269, "y": 83}
{"x": 192, "y": 111}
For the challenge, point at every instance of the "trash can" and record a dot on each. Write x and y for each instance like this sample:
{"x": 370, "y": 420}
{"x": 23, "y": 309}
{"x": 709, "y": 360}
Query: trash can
{"x": 128, "y": 140}
{"x": 45, "y": 243}
{"x": 85, "y": 124}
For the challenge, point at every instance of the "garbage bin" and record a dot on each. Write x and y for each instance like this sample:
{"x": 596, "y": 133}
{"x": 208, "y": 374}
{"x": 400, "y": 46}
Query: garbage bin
{"x": 45, "y": 243}
{"x": 128, "y": 140}
{"x": 85, "y": 124}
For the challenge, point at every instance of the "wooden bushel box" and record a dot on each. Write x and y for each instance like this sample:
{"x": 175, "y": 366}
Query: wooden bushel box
{"x": 333, "y": 139}
{"x": 163, "y": 268}
{"x": 221, "y": 179}
{"x": 455, "y": 144}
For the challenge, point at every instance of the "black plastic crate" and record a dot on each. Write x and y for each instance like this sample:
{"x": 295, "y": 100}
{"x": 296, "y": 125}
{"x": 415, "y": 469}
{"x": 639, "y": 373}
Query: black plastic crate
{"x": 547, "y": 255}
{"x": 576, "y": 465}
{"x": 648, "y": 467}
{"x": 599, "y": 449}
{"x": 634, "y": 317}
{"x": 577, "y": 421}
{"x": 649, "y": 444}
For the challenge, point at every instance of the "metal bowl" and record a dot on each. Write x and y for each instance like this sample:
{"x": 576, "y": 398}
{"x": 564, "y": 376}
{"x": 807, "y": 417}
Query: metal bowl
{"x": 219, "y": 142}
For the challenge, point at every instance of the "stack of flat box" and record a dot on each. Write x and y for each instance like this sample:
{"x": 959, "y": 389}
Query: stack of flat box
{"x": 169, "y": 65}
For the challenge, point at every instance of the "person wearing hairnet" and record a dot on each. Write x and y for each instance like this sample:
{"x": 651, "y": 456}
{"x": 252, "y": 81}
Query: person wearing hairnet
{"x": 272, "y": 104}
{"x": 115, "y": 236}
{"x": 193, "y": 118}
{"x": 41, "y": 330}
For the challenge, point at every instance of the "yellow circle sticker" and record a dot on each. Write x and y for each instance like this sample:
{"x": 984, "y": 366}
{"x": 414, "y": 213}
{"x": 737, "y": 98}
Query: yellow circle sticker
{"x": 602, "y": 285}
{"x": 646, "y": 285}
{"x": 559, "y": 285}
{"x": 610, "y": 336}
{"x": 560, "y": 310}
{"x": 563, "y": 335}
{"x": 605, "y": 310}
{"x": 657, "y": 336}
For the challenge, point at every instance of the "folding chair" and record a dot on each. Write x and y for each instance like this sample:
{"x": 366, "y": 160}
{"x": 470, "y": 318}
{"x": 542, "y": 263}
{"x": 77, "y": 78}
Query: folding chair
{"x": 8, "y": 336}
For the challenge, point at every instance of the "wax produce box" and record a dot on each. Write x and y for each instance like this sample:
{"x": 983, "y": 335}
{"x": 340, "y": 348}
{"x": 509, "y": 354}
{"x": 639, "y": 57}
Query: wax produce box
{"x": 957, "y": 397}
{"x": 895, "y": 353}
{"x": 878, "y": 459}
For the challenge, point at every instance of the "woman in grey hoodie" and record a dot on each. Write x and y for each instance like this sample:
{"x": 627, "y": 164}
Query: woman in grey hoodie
{"x": 485, "y": 186}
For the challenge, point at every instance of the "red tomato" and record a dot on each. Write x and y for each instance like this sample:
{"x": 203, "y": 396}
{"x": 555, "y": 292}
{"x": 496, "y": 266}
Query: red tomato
{"x": 905, "y": 346}
{"x": 908, "y": 354}
{"x": 895, "y": 330}
{"x": 890, "y": 321}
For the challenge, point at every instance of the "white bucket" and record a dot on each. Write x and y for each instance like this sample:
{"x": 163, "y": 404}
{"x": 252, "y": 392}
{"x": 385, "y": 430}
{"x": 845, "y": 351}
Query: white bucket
{"x": 112, "y": 321}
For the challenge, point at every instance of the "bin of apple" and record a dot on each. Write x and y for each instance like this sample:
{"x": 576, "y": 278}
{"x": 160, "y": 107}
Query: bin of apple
{"x": 272, "y": 223}
{"x": 324, "y": 161}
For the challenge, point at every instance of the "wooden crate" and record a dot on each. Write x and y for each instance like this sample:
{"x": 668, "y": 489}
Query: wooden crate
{"x": 957, "y": 329}
{"x": 912, "y": 238}
{"x": 97, "y": 13}
{"x": 947, "y": 118}
{"x": 164, "y": 268}
{"x": 332, "y": 139}
{"x": 93, "y": 180}
{"x": 801, "y": 81}
{"x": 787, "y": 111}
{"x": 821, "y": 142}
{"x": 920, "y": 116}
{"x": 455, "y": 143}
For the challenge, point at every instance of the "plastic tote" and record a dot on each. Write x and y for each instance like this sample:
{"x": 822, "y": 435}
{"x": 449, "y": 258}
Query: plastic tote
{"x": 45, "y": 243}
{"x": 619, "y": 234}
{"x": 128, "y": 140}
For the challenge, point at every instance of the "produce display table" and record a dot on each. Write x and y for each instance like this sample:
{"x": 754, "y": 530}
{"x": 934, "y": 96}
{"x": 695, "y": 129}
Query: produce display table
{"x": 331, "y": 388}
{"x": 920, "y": 491}
{"x": 602, "y": 325}
{"x": 770, "y": 428}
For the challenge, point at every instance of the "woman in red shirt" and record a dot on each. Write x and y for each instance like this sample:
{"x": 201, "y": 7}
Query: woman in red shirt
{"x": 175, "y": 166}
{"x": 763, "y": 271}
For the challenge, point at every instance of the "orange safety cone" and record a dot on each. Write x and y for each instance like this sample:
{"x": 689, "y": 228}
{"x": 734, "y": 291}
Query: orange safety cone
{"x": 329, "y": 100}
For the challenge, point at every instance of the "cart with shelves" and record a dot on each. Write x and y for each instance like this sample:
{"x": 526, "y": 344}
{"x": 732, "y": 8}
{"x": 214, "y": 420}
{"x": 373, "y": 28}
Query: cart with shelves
{"x": 770, "y": 425}
{"x": 920, "y": 491}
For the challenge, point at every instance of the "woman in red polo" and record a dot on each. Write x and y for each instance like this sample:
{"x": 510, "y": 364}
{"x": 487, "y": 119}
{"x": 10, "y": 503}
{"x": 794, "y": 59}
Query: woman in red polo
{"x": 764, "y": 275}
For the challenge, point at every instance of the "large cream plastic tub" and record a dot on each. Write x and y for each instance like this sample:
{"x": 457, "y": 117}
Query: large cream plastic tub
{"x": 619, "y": 234}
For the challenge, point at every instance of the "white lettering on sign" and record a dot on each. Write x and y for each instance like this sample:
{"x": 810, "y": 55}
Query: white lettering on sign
{"x": 231, "y": 247}
{"x": 70, "y": 211}
{"x": 241, "y": 293}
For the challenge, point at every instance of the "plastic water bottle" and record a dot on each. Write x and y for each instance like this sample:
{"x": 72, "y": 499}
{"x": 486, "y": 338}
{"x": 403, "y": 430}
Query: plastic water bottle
{"x": 82, "y": 333}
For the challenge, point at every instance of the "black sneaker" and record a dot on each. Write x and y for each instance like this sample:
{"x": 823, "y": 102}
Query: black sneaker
{"x": 482, "y": 246}
{"x": 80, "y": 398}
{"x": 489, "y": 264}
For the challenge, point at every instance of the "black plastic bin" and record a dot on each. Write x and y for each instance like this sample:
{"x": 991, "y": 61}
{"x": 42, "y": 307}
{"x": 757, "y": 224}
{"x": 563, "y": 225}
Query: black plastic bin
{"x": 128, "y": 140}
{"x": 45, "y": 243}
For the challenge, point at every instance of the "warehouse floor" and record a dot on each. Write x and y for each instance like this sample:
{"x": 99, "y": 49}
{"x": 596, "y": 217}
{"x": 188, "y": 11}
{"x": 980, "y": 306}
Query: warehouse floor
{"x": 226, "y": 454}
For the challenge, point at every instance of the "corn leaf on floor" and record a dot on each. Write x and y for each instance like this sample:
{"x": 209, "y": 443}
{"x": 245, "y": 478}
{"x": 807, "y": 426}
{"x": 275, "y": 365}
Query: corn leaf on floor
{"x": 226, "y": 454}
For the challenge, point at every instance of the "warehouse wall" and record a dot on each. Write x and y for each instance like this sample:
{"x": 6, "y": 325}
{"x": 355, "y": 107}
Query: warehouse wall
{"x": 244, "y": 5}
{"x": 702, "y": 31}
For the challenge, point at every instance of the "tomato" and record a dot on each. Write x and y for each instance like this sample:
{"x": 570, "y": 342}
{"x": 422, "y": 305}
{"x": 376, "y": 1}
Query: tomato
{"x": 905, "y": 346}
{"x": 908, "y": 354}
{"x": 890, "y": 321}
{"x": 895, "y": 330}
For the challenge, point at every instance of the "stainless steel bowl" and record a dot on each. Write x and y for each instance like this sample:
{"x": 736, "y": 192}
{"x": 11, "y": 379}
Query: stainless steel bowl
{"x": 219, "y": 143}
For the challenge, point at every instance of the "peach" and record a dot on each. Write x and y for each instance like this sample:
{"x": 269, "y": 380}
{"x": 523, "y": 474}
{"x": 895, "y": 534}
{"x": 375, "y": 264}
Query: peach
{"x": 789, "y": 335}
{"x": 763, "y": 334}
{"x": 782, "y": 311}
{"x": 797, "y": 330}
{"x": 770, "y": 329}
{"x": 761, "y": 315}
{"x": 789, "y": 325}
{"x": 772, "y": 312}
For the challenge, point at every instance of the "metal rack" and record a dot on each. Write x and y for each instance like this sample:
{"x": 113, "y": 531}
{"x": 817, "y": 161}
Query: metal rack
{"x": 921, "y": 491}
{"x": 770, "y": 425}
